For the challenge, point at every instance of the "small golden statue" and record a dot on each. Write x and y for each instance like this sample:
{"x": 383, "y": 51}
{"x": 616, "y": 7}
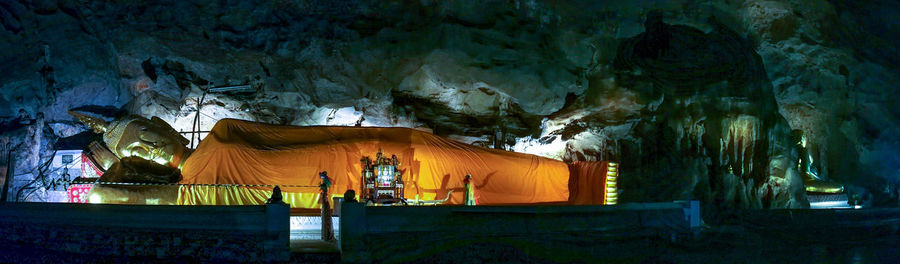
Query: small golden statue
{"x": 807, "y": 168}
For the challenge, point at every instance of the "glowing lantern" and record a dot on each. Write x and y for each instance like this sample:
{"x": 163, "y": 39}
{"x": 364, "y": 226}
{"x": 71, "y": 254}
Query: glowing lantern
{"x": 612, "y": 172}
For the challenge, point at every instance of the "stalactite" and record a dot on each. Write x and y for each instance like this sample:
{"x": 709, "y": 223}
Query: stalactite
{"x": 739, "y": 144}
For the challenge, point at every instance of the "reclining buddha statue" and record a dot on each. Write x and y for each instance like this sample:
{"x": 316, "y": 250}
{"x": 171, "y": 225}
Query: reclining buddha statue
{"x": 239, "y": 163}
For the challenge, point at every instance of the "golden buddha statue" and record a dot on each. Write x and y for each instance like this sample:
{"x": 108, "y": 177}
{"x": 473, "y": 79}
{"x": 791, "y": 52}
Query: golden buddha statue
{"x": 807, "y": 168}
{"x": 151, "y": 139}
{"x": 240, "y": 161}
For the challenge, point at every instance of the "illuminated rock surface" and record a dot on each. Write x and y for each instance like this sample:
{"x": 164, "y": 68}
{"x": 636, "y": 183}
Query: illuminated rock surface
{"x": 702, "y": 108}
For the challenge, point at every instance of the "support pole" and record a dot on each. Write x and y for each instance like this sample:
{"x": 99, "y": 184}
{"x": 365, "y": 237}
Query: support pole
{"x": 10, "y": 169}
{"x": 195, "y": 126}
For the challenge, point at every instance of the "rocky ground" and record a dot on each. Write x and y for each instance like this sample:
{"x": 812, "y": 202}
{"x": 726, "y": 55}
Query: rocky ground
{"x": 698, "y": 105}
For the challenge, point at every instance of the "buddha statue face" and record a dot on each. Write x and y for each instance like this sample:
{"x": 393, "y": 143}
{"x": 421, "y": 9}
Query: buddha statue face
{"x": 134, "y": 136}
{"x": 148, "y": 139}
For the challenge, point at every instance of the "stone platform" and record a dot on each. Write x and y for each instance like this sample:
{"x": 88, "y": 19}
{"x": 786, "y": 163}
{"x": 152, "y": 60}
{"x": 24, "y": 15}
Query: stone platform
{"x": 829, "y": 201}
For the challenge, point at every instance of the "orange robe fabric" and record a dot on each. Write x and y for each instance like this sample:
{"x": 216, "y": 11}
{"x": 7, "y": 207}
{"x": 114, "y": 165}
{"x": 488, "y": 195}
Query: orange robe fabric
{"x": 587, "y": 185}
{"x": 243, "y": 152}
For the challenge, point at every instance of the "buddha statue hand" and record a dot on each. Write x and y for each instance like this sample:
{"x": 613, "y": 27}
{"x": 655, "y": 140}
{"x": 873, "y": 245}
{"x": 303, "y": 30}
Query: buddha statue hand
{"x": 138, "y": 170}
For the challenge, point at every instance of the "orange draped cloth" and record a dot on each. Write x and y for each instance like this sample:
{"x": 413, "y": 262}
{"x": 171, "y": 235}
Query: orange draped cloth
{"x": 588, "y": 182}
{"x": 248, "y": 153}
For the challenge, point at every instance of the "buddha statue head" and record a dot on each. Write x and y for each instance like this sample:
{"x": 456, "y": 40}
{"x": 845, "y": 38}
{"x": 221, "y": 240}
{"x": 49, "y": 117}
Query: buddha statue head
{"x": 133, "y": 136}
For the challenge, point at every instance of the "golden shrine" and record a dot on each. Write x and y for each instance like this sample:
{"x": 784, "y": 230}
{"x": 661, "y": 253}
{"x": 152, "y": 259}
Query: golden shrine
{"x": 382, "y": 182}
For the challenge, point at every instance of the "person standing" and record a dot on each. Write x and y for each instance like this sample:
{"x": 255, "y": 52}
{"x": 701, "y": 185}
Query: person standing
{"x": 327, "y": 229}
{"x": 470, "y": 191}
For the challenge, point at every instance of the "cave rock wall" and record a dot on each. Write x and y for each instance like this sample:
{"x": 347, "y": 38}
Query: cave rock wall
{"x": 696, "y": 99}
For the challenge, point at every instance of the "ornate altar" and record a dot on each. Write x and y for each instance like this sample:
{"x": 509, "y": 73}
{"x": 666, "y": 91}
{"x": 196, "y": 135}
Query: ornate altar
{"x": 382, "y": 181}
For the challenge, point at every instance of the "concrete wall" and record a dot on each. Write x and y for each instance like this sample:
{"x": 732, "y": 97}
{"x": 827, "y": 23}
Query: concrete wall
{"x": 402, "y": 233}
{"x": 228, "y": 233}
